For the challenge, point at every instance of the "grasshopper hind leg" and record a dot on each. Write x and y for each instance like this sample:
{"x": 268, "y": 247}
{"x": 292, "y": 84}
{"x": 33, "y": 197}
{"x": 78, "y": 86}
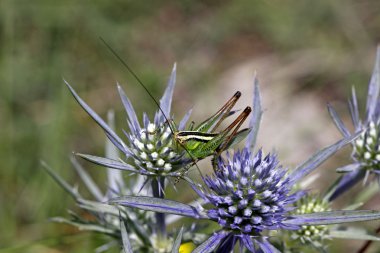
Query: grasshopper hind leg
{"x": 235, "y": 126}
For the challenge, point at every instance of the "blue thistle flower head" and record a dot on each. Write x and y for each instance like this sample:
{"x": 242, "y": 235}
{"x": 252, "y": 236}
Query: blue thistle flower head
{"x": 152, "y": 146}
{"x": 366, "y": 148}
{"x": 150, "y": 149}
{"x": 250, "y": 193}
{"x": 153, "y": 149}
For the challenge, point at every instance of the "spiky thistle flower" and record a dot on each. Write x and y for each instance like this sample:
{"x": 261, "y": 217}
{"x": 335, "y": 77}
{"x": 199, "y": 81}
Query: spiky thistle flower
{"x": 95, "y": 216}
{"x": 366, "y": 149}
{"x": 314, "y": 235}
{"x": 135, "y": 230}
{"x": 150, "y": 149}
{"x": 248, "y": 192}
{"x": 316, "y": 238}
{"x": 122, "y": 225}
{"x": 250, "y": 195}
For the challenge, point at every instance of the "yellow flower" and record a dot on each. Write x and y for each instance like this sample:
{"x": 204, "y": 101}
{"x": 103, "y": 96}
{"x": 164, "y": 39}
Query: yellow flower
{"x": 187, "y": 247}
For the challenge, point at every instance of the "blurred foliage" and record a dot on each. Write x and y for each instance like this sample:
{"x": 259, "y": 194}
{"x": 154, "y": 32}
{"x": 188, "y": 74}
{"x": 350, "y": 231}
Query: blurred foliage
{"x": 44, "y": 41}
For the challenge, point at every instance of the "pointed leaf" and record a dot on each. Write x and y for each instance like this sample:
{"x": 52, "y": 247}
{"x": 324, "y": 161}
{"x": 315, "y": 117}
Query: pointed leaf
{"x": 254, "y": 124}
{"x": 211, "y": 243}
{"x": 158, "y": 205}
{"x": 266, "y": 247}
{"x": 248, "y": 243}
{"x": 98, "y": 119}
{"x": 146, "y": 120}
{"x": 348, "y": 168}
{"x": 98, "y": 207}
{"x": 318, "y": 158}
{"x": 177, "y": 242}
{"x": 346, "y": 182}
{"x": 127, "y": 247}
{"x": 117, "y": 144}
{"x": 184, "y": 120}
{"x": 170, "y": 219}
{"x": 129, "y": 109}
{"x": 106, "y": 247}
{"x": 373, "y": 88}
{"x": 83, "y": 226}
{"x": 333, "y": 217}
{"x": 354, "y": 109}
{"x": 129, "y": 217}
{"x": 354, "y": 206}
{"x": 166, "y": 100}
{"x": 338, "y": 121}
{"x": 91, "y": 186}
{"x": 71, "y": 190}
{"x": 114, "y": 177}
{"x": 109, "y": 163}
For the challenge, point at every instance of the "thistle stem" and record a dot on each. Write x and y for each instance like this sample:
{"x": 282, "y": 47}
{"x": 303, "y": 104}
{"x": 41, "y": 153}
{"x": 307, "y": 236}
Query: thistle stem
{"x": 158, "y": 192}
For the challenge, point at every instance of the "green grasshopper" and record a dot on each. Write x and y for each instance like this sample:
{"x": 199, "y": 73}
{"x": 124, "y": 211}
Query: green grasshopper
{"x": 202, "y": 141}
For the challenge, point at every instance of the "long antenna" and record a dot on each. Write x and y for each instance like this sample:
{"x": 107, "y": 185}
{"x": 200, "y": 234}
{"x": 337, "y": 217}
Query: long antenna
{"x": 137, "y": 78}
{"x": 150, "y": 95}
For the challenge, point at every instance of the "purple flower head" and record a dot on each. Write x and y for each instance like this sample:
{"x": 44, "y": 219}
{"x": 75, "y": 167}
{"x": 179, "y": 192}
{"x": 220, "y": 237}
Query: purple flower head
{"x": 150, "y": 149}
{"x": 366, "y": 149}
{"x": 249, "y": 193}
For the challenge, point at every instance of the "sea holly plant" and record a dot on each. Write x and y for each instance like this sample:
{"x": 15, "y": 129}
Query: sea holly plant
{"x": 132, "y": 229}
{"x": 150, "y": 150}
{"x": 319, "y": 237}
{"x": 101, "y": 218}
{"x": 250, "y": 195}
{"x": 366, "y": 149}
{"x": 250, "y": 199}
{"x": 160, "y": 149}
{"x": 307, "y": 236}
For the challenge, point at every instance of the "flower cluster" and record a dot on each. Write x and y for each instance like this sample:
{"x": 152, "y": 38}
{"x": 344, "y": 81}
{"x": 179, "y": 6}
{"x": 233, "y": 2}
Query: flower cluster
{"x": 153, "y": 150}
{"x": 252, "y": 200}
{"x": 366, "y": 150}
{"x": 313, "y": 234}
{"x": 249, "y": 193}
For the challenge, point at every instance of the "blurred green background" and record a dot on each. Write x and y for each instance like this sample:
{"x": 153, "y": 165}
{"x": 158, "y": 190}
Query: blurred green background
{"x": 43, "y": 42}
